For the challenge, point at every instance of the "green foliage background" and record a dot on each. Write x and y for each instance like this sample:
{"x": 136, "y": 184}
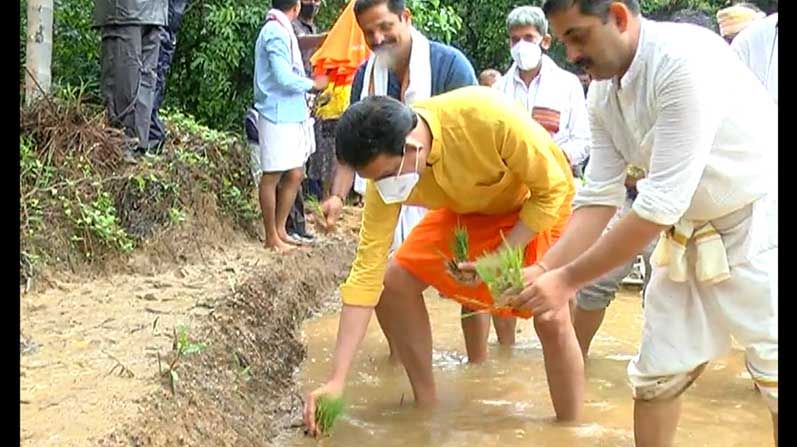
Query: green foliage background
{"x": 211, "y": 77}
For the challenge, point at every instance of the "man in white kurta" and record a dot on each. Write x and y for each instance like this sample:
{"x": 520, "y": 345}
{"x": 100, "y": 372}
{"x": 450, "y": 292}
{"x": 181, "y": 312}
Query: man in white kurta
{"x": 757, "y": 46}
{"x": 554, "y": 98}
{"x": 675, "y": 100}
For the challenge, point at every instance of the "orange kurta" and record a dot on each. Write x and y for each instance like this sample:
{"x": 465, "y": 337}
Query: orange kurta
{"x": 427, "y": 249}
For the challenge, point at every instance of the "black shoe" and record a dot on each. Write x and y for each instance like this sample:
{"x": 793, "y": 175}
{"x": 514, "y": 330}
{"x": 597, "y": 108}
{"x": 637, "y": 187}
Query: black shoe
{"x": 132, "y": 156}
{"x": 303, "y": 236}
{"x": 156, "y": 148}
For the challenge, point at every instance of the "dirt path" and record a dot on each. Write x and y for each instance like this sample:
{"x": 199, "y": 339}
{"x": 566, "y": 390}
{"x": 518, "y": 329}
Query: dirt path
{"x": 90, "y": 350}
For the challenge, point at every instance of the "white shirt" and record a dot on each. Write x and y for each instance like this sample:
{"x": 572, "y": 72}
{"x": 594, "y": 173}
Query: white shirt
{"x": 694, "y": 117}
{"x": 558, "y": 90}
{"x": 757, "y": 45}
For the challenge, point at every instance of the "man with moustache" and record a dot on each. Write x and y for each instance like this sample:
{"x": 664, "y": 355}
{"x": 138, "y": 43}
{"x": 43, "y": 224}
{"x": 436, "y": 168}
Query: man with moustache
{"x": 660, "y": 101}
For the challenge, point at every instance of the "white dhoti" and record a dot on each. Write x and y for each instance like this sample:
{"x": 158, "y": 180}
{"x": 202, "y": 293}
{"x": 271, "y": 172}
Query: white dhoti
{"x": 359, "y": 185}
{"x": 690, "y": 323}
{"x": 408, "y": 218}
{"x": 283, "y": 146}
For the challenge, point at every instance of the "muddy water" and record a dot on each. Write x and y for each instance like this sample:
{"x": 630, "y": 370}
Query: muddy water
{"x": 505, "y": 401}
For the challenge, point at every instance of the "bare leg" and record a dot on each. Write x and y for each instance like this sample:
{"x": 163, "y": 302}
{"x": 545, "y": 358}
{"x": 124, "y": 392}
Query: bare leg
{"x": 564, "y": 365}
{"x": 476, "y": 329}
{"x": 586, "y": 324}
{"x": 655, "y": 422}
{"x": 286, "y": 195}
{"x": 775, "y": 427}
{"x": 572, "y": 304}
{"x": 393, "y": 357}
{"x": 505, "y": 330}
{"x": 268, "y": 199}
{"x": 403, "y": 316}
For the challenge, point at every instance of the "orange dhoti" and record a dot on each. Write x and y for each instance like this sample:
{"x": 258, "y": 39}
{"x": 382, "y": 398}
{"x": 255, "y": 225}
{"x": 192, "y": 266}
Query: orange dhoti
{"x": 427, "y": 250}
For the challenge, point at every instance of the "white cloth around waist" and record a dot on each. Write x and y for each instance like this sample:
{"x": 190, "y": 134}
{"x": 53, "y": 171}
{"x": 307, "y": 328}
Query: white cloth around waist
{"x": 282, "y": 146}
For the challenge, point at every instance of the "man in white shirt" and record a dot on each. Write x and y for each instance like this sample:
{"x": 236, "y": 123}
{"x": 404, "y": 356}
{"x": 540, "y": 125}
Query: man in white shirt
{"x": 661, "y": 101}
{"x": 553, "y": 96}
{"x": 758, "y": 47}
{"x": 592, "y": 301}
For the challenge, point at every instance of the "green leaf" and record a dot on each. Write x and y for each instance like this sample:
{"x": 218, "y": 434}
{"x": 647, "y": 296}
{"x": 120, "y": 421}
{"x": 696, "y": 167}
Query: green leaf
{"x": 327, "y": 411}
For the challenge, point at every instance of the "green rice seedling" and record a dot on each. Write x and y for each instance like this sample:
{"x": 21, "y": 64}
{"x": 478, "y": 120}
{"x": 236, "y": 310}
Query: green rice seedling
{"x": 460, "y": 246}
{"x": 502, "y": 272}
{"x": 459, "y": 250}
{"x": 314, "y": 204}
{"x": 327, "y": 411}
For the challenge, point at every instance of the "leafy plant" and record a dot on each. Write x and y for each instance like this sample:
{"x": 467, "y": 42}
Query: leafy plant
{"x": 99, "y": 219}
{"x": 235, "y": 202}
{"x": 242, "y": 367}
{"x": 460, "y": 245}
{"x": 327, "y": 411}
{"x": 437, "y": 19}
{"x": 459, "y": 250}
{"x": 215, "y": 53}
{"x": 314, "y": 205}
{"x": 182, "y": 346}
{"x": 176, "y": 216}
{"x": 502, "y": 271}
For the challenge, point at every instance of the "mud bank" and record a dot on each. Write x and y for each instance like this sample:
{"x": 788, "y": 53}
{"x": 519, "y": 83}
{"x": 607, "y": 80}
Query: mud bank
{"x": 240, "y": 390}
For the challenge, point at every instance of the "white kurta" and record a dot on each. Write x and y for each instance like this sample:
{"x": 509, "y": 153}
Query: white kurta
{"x": 420, "y": 87}
{"x": 757, "y": 45}
{"x": 558, "y": 90}
{"x": 697, "y": 120}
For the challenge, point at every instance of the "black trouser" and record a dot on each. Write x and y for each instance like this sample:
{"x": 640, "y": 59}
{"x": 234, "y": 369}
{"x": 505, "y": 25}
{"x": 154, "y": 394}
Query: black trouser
{"x": 296, "y": 223}
{"x": 168, "y": 44}
{"x": 129, "y": 59}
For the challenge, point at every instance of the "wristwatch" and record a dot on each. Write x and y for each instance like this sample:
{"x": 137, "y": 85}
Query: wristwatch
{"x": 635, "y": 172}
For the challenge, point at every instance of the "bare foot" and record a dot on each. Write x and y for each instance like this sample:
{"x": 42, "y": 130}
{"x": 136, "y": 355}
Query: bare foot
{"x": 279, "y": 246}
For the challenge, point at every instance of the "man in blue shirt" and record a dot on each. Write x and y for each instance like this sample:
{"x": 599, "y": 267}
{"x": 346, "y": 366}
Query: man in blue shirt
{"x": 283, "y": 126}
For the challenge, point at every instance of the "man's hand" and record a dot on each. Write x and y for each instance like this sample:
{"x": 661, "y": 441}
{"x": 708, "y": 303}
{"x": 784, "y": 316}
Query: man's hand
{"x": 333, "y": 390}
{"x": 320, "y": 83}
{"x": 531, "y": 273}
{"x": 468, "y": 276}
{"x": 332, "y": 208}
{"x": 546, "y": 292}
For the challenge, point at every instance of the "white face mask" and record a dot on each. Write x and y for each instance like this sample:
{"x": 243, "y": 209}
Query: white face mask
{"x": 527, "y": 55}
{"x": 398, "y": 188}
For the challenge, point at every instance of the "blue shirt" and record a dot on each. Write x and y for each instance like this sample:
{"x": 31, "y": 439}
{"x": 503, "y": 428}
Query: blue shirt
{"x": 279, "y": 88}
{"x": 450, "y": 71}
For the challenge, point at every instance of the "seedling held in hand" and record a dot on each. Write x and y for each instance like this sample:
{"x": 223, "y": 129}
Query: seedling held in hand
{"x": 327, "y": 411}
{"x": 502, "y": 271}
{"x": 459, "y": 249}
